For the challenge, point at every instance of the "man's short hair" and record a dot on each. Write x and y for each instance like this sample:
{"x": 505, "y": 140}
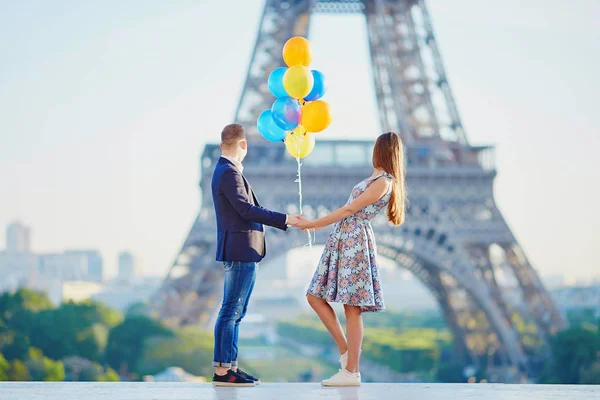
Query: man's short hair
{"x": 232, "y": 134}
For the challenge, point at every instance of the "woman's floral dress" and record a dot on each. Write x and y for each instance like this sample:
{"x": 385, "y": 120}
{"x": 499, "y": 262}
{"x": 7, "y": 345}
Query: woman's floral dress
{"x": 347, "y": 272}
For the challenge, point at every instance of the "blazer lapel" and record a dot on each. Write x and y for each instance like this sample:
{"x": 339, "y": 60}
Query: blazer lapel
{"x": 251, "y": 191}
{"x": 254, "y": 196}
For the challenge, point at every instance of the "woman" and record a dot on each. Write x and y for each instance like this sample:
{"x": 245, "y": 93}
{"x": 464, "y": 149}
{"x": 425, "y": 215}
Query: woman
{"x": 348, "y": 271}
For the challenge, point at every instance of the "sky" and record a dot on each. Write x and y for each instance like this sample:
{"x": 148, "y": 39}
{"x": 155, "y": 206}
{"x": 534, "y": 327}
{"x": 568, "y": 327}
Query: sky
{"x": 105, "y": 108}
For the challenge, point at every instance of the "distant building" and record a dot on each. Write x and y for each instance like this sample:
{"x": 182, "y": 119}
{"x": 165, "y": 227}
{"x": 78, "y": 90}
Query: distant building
{"x": 63, "y": 266}
{"x": 79, "y": 291}
{"x": 18, "y": 238}
{"x": 552, "y": 282}
{"x": 71, "y": 275}
{"x": 16, "y": 270}
{"x": 120, "y": 294}
{"x": 95, "y": 264}
{"x": 116, "y": 294}
{"x": 17, "y": 265}
{"x": 127, "y": 267}
{"x": 577, "y": 298}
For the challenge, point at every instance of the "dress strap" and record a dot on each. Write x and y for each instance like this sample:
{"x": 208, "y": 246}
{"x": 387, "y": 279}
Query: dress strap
{"x": 385, "y": 174}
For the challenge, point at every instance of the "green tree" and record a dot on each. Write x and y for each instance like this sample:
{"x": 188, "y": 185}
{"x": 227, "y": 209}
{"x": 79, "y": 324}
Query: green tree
{"x": 42, "y": 368}
{"x": 591, "y": 376}
{"x": 126, "y": 342}
{"x": 91, "y": 374}
{"x": 17, "y": 313}
{"x": 400, "y": 321}
{"x": 582, "y": 317}
{"x": 91, "y": 342}
{"x": 548, "y": 376}
{"x": 138, "y": 309}
{"x": 4, "y": 368}
{"x": 84, "y": 370}
{"x": 574, "y": 350}
{"x": 23, "y": 299}
{"x": 81, "y": 369}
{"x": 409, "y": 350}
{"x": 74, "y": 329}
{"x": 109, "y": 376}
{"x": 55, "y": 333}
{"x": 18, "y": 372}
{"x": 191, "y": 349}
{"x": 15, "y": 345}
{"x": 450, "y": 373}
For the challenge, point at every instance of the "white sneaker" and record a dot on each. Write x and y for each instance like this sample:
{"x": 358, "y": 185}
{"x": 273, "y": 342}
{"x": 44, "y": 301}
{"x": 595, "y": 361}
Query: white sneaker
{"x": 343, "y": 378}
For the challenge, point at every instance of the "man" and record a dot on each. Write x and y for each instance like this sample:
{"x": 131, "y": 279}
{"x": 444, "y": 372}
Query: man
{"x": 240, "y": 246}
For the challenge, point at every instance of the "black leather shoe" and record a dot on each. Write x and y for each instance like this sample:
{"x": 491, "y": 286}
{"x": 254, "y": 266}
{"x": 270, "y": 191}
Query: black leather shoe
{"x": 248, "y": 376}
{"x": 231, "y": 379}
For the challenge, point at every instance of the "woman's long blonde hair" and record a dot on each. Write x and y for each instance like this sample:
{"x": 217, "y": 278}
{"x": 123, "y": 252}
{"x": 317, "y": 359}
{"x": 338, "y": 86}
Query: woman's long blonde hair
{"x": 388, "y": 155}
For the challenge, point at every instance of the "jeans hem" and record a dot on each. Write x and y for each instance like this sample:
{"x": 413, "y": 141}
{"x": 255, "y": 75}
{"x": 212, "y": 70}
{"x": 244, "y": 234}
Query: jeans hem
{"x": 221, "y": 364}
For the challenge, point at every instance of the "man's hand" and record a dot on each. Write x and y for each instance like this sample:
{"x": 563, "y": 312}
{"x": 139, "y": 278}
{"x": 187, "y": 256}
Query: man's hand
{"x": 292, "y": 220}
{"x": 305, "y": 224}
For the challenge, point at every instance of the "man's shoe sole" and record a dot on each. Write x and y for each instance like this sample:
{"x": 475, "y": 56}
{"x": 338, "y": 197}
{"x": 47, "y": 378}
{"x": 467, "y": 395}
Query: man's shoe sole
{"x": 233, "y": 384}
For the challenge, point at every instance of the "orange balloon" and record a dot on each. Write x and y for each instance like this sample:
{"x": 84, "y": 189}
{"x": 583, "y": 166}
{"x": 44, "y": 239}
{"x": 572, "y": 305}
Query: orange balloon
{"x": 316, "y": 116}
{"x": 296, "y": 51}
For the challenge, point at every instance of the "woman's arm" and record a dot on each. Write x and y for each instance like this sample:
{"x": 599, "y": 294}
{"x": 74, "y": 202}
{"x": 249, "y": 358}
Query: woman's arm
{"x": 375, "y": 191}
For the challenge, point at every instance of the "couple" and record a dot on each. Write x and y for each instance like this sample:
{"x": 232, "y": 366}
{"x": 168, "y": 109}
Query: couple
{"x": 347, "y": 272}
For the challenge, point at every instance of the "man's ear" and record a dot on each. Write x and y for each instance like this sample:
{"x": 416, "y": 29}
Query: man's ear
{"x": 244, "y": 144}
{"x": 221, "y": 146}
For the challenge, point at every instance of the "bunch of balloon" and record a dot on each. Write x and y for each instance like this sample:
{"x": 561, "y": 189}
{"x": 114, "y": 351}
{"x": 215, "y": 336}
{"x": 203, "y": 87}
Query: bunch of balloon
{"x": 298, "y": 111}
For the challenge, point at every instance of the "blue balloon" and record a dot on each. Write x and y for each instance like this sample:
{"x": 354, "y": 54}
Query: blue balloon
{"x": 319, "y": 88}
{"x": 268, "y": 129}
{"x": 276, "y": 82}
{"x": 287, "y": 113}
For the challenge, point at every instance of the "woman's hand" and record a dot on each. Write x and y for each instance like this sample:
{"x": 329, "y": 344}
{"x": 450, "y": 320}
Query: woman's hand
{"x": 305, "y": 224}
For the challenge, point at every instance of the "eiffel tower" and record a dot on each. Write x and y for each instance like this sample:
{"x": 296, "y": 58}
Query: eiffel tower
{"x": 455, "y": 240}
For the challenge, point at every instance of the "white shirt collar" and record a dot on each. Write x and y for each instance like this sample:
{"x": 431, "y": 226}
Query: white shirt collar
{"x": 235, "y": 162}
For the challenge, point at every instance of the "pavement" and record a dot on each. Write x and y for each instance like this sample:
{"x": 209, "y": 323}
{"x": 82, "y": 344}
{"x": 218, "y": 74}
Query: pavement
{"x": 289, "y": 391}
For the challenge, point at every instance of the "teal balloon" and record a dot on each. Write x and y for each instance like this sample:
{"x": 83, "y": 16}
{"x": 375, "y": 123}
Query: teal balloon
{"x": 287, "y": 113}
{"x": 319, "y": 88}
{"x": 276, "y": 82}
{"x": 268, "y": 129}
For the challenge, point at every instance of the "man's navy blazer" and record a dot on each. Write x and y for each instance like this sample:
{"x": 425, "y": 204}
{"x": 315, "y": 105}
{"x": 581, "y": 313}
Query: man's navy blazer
{"x": 240, "y": 218}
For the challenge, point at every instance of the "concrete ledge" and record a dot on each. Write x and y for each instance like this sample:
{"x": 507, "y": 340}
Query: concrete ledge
{"x": 288, "y": 391}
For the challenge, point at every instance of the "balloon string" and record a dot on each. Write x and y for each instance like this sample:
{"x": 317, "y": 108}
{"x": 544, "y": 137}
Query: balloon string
{"x": 299, "y": 180}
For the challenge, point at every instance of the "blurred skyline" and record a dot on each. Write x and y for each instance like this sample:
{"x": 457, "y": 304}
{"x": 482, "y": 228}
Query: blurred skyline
{"x": 106, "y": 107}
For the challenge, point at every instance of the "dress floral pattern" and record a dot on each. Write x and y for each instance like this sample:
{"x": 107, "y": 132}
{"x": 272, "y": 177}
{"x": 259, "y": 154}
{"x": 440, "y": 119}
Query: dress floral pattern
{"x": 348, "y": 272}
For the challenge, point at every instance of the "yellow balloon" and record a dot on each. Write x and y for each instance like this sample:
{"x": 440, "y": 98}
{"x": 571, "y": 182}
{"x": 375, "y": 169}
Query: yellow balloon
{"x": 316, "y": 116}
{"x": 299, "y": 143}
{"x": 298, "y": 81}
{"x": 296, "y": 51}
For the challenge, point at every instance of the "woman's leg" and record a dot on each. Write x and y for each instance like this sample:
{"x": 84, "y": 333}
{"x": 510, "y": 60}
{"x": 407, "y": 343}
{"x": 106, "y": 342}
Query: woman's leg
{"x": 330, "y": 320}
{"x": 355, "y": 331}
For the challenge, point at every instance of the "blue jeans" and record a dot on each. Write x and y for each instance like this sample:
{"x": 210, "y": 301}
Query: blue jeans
{"x": 238, "y": 286}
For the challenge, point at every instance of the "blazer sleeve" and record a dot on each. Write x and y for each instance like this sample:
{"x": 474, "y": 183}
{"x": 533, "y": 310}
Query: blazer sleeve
{"x": 232, "y": 186}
